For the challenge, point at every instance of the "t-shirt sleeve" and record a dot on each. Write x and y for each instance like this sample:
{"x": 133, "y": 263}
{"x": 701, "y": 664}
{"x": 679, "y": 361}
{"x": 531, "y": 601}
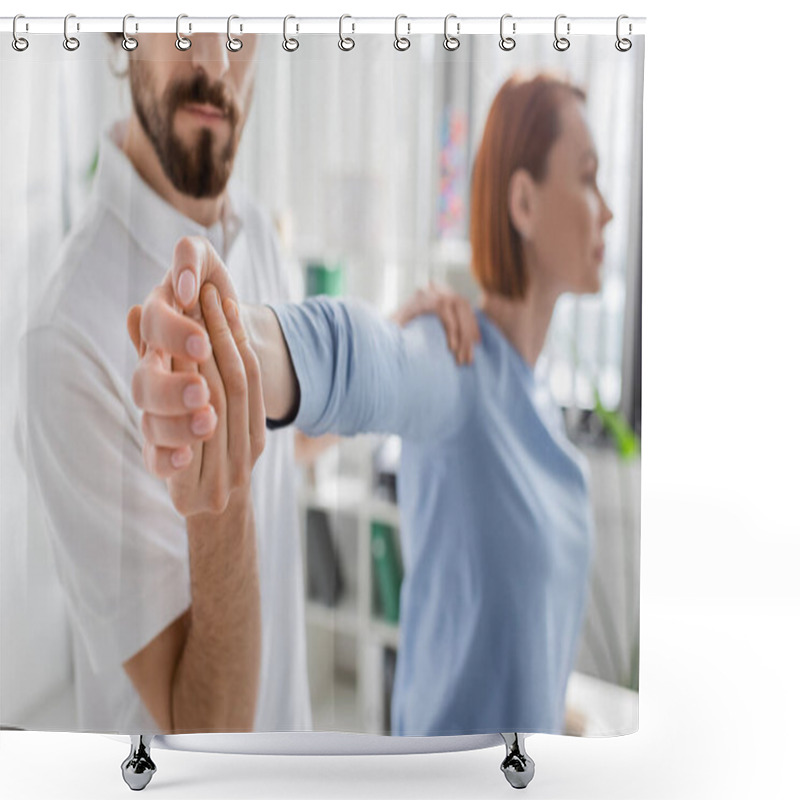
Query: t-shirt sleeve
{"x": 120, "y": 548}
{"x": 361, "y": 373}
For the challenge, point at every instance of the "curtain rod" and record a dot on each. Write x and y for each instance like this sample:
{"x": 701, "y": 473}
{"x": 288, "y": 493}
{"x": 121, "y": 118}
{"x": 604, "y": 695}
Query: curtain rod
{"x": 460, "y": 26}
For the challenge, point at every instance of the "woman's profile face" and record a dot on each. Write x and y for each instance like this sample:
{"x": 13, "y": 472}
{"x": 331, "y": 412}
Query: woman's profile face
{"x": 567, "y": 215}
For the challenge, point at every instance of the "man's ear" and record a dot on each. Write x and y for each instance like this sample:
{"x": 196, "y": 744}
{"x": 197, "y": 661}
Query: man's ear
{"x": 521, "y": 203}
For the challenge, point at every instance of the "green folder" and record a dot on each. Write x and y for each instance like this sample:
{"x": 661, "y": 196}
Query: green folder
{"x": 387, "y": 569}
{"x": 324, "y": 278}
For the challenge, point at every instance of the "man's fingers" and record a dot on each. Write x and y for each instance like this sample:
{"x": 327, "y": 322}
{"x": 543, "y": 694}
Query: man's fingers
{"x": 454, "y": 312}
{"x": 165, "y": 328}
{"x": 134, "y": 319}
{"x": 449, "y": 318}
{"x": 226, "y": 353}
{"x": 468, "y": 328}
{"x": 469, "y": 320}
{"x": 234, "y": 378}
{"x": 194, "y": 261}
{"x": 232, "y": 315}
{"x": 179, "y": 431}
{"x": 255, "y": 395}
{"x": 214, "y": 482}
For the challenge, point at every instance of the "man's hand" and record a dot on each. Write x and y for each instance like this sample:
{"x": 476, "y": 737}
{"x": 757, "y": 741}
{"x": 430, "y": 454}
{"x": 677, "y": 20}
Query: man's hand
{"x": 169, "y": 334}
{"x": 229, "y": 434}
{"x": 455, "y": 314}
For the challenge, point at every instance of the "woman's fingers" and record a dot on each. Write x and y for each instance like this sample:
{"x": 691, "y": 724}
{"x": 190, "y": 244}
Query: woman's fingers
{"x": 165, "y": 328}
{"x": 179, "y": 431}
{"x": 168, "y": 393}
{"x": 194, "y": 263}
{"x": 166, "y": 462}
{"x": 255, "y": 394}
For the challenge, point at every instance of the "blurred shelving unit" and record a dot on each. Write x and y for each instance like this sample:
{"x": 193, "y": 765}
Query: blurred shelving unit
{"x": 351, "y": 647}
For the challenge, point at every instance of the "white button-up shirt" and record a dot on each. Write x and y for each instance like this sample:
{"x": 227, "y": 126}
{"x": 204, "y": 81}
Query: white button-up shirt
{"x": 121, "y": 549}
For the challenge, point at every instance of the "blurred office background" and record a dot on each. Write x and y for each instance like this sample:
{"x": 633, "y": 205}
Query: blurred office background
{"x": 363, "y": 159}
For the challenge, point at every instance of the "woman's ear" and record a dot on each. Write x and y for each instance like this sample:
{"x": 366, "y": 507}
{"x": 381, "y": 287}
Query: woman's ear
{"x": 521, "y": 203}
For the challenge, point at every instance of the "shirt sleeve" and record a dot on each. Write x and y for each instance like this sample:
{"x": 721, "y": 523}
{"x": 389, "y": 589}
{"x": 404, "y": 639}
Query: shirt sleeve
{"x": 120, "y": 548}
{"x": 361, "y": 373}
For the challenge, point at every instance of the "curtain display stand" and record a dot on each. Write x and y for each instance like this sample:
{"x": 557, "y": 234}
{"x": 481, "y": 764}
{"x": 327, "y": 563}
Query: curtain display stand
{"x": 139, "y": 767}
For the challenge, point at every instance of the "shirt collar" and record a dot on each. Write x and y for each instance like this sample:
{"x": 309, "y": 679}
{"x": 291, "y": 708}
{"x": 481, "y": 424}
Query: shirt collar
{"x": 154, "y": 223}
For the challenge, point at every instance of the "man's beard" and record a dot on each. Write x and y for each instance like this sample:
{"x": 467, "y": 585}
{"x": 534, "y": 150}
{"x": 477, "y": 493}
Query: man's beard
{"x": 195, "y": 171}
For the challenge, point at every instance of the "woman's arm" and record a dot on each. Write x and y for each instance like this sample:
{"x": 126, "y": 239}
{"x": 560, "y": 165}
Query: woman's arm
{"x": 352, "y": 371}
{"x": 462, "y": 331}
{"x": 327, "y": 365}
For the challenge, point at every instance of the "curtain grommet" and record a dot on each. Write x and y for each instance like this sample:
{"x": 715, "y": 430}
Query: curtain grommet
{"x": 507, "y": 43}
{"x": 623, "y": 44}
{"x": 19, "y": 43}
{"x": 129, "y": 43}
{"x": 401, "y": 43}
{"x": 451, "y": 43}
{"x": 289, "y": 44}
{"x": 561, "y": 43}
{"x": 233, "y": 44}
{"x": 346, "y": 43}
{"x": 181, "y": 42}
{"x": 71, "y": 43}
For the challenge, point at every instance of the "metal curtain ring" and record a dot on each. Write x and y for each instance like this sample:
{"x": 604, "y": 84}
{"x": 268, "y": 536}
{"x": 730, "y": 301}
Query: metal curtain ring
{"x": 18, "y": 42}
{"x": 561, "y": 43}
{"x": 289, "y": 44}
{"x": 70, "y": 42}
{"x": 345, "y": 42}
{"x": 233, "y": 44}
{"x": 181, "y": 42}
{"x": 451, "y": 42}
{"x": 401, "y": 43}
{"x": 507, "y": 42}
{"x": 128, "y": 42}
{"x": 623, "y": 45}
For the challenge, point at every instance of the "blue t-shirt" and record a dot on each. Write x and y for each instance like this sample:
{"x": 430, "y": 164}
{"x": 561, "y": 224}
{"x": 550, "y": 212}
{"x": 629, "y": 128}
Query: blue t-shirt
{"x": 496, "y": 530}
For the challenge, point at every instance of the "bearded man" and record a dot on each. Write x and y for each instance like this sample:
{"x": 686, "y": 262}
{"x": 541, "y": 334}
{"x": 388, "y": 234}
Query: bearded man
{"x": 182, "y": 621}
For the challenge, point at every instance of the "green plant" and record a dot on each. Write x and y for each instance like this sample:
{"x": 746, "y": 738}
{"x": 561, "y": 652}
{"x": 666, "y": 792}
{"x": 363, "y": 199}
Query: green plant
{"x": 625, "y": 438}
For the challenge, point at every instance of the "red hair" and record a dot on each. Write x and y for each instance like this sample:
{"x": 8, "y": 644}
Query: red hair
{"x": 522, "y": 125}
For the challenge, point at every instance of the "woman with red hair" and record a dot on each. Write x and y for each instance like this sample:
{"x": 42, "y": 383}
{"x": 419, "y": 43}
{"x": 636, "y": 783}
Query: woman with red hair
{"x": 494, "y": 499}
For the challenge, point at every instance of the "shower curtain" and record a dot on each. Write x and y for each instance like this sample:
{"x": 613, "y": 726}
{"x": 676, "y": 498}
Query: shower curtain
{"x": 391, "y": 564}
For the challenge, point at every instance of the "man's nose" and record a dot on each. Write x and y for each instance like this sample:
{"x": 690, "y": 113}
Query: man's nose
{"x": 209, "y": 52}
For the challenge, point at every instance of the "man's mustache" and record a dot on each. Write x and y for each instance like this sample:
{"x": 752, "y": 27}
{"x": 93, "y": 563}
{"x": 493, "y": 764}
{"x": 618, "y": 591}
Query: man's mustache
{"x": 200, "y": 91}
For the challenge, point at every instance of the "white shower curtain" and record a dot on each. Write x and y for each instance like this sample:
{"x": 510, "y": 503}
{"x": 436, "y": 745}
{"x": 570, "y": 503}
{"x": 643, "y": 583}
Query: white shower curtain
{"x": 362, "y": 161}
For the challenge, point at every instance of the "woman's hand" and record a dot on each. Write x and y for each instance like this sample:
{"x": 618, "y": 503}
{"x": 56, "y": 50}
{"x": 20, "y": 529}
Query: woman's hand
{"x": 202, "y": 476}
{"x": 453, "y": 310}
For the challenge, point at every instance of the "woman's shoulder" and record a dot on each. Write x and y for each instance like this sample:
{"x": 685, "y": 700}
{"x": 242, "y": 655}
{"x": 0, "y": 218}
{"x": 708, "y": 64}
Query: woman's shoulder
{"x": 450, "y": 384}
